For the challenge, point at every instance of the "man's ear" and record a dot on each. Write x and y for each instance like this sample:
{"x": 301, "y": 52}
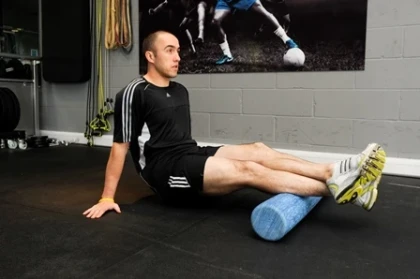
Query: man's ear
{"x": 150, "y": 56}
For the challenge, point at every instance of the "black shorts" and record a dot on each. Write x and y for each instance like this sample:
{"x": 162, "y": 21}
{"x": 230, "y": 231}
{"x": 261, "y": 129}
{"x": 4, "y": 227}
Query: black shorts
{"x": 180, "y": 178}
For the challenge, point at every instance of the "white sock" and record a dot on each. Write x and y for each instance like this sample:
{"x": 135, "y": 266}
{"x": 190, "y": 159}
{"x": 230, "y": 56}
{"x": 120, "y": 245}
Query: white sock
{"x": 281, "y": 34}
{"x": 201, "y": 16}
{"x": 225, "y": 48}
{"x": 201, "y": 32}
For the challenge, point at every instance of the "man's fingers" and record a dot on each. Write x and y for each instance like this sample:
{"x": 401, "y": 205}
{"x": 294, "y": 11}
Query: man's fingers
{"x": 96, "y": 214}
{"x": 91, "y": 213}
{"x": 117, "y": 208}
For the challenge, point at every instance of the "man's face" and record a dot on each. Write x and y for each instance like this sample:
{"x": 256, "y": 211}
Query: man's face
{"x": 166, "y": 58}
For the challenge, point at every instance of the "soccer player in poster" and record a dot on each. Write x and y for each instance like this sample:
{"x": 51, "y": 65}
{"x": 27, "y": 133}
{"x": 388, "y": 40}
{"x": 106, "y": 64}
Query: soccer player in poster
{"x": 203, "y": 7}
{"x": 224, "y": 7}
{"x": 280, "y": 10}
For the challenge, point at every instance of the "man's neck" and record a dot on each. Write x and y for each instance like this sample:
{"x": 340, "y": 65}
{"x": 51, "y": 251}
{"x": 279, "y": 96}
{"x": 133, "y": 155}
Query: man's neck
{"x": 157, "y": 80}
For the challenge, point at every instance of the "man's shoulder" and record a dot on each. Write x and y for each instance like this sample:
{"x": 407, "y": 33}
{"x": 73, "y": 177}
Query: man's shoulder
{"x": 134, "y": 86}
{"x": 178, "y": 86}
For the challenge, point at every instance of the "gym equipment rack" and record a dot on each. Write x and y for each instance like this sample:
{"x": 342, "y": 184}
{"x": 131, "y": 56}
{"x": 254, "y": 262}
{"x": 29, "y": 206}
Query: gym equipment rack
{"x": 18, "y": 138}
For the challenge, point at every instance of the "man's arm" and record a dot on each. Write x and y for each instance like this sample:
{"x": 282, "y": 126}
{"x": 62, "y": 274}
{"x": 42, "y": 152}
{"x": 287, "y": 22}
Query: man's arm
{"x": 115, "y": 165}
{"x": 114, "y": 168}
{"x": 112, "y": 177}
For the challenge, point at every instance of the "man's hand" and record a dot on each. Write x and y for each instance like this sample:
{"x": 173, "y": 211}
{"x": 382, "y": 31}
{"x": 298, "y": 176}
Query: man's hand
{"x": 99, "y": 209}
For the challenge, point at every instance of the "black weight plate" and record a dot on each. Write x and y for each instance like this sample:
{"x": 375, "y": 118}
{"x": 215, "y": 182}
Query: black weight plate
{"x": 27, "y": 71}
{"x": 2, "y": 68}
{"x": 6, "y": 109}
{"x": 10, "y": 109}
{"x": 16, "y": 108}
{"x": 15, "y": 67}
{"x": 2, "y": 114}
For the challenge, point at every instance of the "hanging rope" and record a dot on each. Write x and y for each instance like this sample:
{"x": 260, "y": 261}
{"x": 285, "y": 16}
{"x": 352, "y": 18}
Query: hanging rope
{"x": 90, "y": 103}
{"x": 118, "y": 30}
{"x": 98, "y": 106}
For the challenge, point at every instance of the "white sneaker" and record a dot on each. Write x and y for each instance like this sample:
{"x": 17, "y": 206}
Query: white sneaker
{"x": 357, "y": 176}
{"x": 371, "y": 172}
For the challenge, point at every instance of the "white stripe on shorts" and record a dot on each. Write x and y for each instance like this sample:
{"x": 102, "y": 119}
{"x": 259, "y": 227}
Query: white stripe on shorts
{"x": 178, "y": 182}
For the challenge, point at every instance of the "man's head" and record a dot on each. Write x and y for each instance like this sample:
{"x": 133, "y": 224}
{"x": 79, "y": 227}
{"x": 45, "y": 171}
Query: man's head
{"x": 161, "y": 50}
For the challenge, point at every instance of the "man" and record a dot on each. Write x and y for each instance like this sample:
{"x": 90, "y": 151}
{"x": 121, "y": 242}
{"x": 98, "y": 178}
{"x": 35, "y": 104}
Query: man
{"x": 175, "y": 167}
{"x": 224, "y": 7}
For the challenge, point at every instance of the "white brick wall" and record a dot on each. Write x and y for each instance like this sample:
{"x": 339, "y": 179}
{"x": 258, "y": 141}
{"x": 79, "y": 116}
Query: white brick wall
{"x": 329, "y": 111}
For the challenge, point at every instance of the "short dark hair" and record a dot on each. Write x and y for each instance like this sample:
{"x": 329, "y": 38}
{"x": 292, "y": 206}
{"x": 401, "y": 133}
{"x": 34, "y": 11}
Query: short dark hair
{"x": 149, "y": 41}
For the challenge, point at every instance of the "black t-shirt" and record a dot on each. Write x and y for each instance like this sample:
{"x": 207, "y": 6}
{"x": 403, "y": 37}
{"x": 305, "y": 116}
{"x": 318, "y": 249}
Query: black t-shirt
{"x": 165, "y": 111}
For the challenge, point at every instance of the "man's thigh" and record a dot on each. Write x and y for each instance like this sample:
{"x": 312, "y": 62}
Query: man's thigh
{"x": 255, "y": 152}
{"x": 183, "y": 178}
{"x": 222, "y": 5}
{"x": 244, "y": 5}
{"x": 223, "y": 176}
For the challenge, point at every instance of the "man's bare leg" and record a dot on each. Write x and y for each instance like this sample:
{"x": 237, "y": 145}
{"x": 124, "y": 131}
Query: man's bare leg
{"x": 352, "y": 180}
{"x": 262, "y": 154}
{"x": 250, "y": 151}
{"x": 184, "y": 28}
{"x": 201, "y": 11}
{"x": 219, "y": 16}
{"x": 160, "y": 7}
{"x": 223, "y": 176}
{"x": 279, "y": 31}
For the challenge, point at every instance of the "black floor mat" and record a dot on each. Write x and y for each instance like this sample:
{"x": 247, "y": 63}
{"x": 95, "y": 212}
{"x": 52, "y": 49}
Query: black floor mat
{"x": 43, "y": 233}
{"x": 42, "y": 244}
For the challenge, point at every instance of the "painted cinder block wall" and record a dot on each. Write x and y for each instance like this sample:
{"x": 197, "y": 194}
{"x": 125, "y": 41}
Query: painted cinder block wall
{"x": 320, "y": 111}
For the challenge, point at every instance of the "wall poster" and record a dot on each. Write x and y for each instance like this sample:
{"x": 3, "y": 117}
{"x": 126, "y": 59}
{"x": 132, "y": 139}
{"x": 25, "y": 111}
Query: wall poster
{"x": 242, "y": 36}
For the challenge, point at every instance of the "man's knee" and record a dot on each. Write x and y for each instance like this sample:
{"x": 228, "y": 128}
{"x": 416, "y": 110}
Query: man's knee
{"x": 202, "y": 5}
{"x": 258, "y": 152}
{"x": 224, "y": 175}
{"x": 257, "y": 5}
{"x": 246, "y": 171}
{"x": 259, "y": 8}
{"x": 219, "y": 15}
{"x": 259, "y": 145}
{"x": 216, "y": 21}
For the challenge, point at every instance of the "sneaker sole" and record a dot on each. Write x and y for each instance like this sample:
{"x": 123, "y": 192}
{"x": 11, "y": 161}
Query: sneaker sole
{"x": 372, "y": 166}
{"x": 369, "y": 205}
{"x": 350, "y": 194}
{"x": 374, "y": 163}
{"x": 374, "y": 195}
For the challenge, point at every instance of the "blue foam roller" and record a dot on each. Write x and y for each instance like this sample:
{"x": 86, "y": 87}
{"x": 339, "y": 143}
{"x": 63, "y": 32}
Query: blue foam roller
{"x": 275, "y": 217}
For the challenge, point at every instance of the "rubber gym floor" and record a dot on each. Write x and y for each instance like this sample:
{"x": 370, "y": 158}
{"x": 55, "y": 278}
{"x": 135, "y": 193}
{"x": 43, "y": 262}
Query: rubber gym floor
{"x": 43, "y": 233}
